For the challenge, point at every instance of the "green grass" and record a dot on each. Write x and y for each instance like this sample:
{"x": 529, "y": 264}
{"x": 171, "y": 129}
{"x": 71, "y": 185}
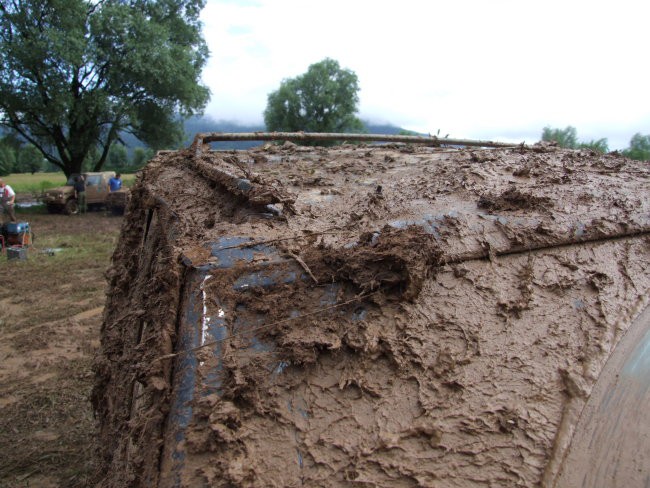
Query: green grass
{"x": 128, "y": 180}
{"x": 68, "y": 258}
{"x": 94, "y": 251}
{"x": 37, "y": 183}
{"x": 34, "y": 183}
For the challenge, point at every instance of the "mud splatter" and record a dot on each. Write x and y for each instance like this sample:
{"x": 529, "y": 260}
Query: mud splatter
{"x": 513, "y": 199}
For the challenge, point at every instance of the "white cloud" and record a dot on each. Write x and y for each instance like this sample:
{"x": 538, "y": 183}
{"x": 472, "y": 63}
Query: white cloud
{"x": 471, "y": 68}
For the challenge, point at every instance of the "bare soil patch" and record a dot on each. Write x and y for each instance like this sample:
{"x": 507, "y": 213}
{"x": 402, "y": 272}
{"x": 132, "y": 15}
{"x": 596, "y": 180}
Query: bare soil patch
{"x": 50, "y": 316}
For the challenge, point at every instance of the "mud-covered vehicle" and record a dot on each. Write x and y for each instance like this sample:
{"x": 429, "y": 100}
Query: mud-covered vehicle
{"x": 63, "y": 199}
{"x": 117, "y": 201}
{"x": 379, "y": 315}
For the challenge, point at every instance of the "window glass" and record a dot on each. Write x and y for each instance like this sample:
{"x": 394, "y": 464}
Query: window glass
{"x": 93, "y": 180}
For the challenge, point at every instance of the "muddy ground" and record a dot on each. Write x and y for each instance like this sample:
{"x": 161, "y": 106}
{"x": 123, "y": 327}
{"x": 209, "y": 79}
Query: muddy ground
{"x": 50, "y": 316}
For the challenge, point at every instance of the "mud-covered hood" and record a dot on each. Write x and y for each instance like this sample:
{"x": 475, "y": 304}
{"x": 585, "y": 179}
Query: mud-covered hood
{"x": 59, "y": 191}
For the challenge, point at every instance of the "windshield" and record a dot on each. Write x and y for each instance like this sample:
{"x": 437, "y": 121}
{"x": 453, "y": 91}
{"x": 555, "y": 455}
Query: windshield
{"x": 93, "y": 180}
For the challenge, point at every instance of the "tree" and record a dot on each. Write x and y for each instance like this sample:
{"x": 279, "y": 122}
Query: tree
{"x": 567, "y": 137}
{"x": 407, "y": 132}
{"x": 140, "y": 157}
{"x": 7, "y": 159}
{"x": 599, "y": 145}
{"x": 118, "y": 157}
{"x": 639, "y": 148}
{"x": 29, "y": 160}
{"x": 9, "y": 147}
{"x": 324, "y": 99}
{"x": 18, "y": 157}
{"x": 74, "y": 74}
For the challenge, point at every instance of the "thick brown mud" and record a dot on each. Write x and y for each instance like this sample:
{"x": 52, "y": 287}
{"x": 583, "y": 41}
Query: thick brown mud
{"x": 610, "y": 444}
{"x": 404, "y": 316}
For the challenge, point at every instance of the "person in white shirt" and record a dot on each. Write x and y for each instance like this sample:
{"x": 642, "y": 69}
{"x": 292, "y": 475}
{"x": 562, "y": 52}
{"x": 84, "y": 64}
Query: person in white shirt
{"x": 7, "y": 199}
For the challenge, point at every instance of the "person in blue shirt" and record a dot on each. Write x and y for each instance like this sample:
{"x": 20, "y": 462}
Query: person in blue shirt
{"x": 115, "y": 183}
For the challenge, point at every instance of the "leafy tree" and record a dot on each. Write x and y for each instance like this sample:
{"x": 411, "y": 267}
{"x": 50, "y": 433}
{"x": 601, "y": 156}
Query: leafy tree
{"x": 324, "y": 99}
{"x": 29, "y": 160}
{"x": 600, "y": 145}
{"x": 118, "y": 157}
{"x": 74, "y": 74}
{"x": 140, "y": 157}
{"x": 567, "y": 137}
{"x": 7, "y": 159}
{"x": 18, "y": 157}
{"x": 407, "y": 132}
{"x": 639, "y": 147}
{"x": 93, "y": 155}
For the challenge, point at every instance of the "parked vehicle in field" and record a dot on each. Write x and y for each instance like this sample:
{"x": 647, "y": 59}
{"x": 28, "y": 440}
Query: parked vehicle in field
{"x": 63, "y": 199}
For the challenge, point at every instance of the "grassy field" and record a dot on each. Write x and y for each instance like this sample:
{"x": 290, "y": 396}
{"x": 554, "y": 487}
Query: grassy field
{"x": 50, "y": 317}
{"x": 37, "y": 183}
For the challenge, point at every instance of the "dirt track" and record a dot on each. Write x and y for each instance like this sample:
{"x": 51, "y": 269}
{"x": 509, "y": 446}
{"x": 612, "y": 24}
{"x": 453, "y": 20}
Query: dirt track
{"x": 50, "y": 316}
{"x": 414, "y": 317}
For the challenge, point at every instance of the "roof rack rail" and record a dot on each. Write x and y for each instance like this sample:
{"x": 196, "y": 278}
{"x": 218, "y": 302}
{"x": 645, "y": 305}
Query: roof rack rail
{"x": 203, "y": 138}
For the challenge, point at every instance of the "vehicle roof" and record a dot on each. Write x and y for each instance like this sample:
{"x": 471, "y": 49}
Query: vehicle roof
{"x": 538, "y": 196}
{"x": 85, "y": 173}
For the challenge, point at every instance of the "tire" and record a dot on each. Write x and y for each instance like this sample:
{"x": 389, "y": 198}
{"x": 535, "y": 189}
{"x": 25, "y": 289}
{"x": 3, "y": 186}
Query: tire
{"x": 71, "y": 207}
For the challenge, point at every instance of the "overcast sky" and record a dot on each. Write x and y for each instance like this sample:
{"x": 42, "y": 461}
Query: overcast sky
{"x": 481, "y": 69}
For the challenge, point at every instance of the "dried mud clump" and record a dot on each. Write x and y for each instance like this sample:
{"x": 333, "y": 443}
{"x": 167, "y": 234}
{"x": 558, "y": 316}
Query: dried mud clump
{"x": 394, "y": 260}
{"x": 350, "y": 315}
{"x": 513, "y": 199}
{"x": 233, "y": 176}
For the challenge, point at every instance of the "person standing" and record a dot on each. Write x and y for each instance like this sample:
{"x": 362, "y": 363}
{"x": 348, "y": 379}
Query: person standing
{"x": 7, "y": 199}
{"x": 115, "y": 183}
{"x": 80, "y": 192}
